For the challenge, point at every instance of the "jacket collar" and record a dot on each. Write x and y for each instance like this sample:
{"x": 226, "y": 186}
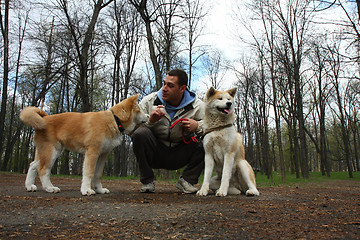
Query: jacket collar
{"x": 187, "y": 108}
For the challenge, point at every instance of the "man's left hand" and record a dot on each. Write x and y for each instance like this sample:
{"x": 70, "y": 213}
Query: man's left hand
{"x": 189, "y": 125}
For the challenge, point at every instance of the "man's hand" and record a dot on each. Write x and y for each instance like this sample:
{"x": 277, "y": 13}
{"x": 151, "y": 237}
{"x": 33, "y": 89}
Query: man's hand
{"x": 156, "y": 114}
{"x": 189, "y": 125}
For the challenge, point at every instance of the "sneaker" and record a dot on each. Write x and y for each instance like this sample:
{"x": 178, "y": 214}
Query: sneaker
{"x": 148, "y": 188}
{"x": 185, "y": 186}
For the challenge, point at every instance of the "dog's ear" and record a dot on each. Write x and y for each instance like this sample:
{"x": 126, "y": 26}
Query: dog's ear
{"x": 210, "y": 93}
{"x": 232, "y": 92}
{"x": 134, "y": 99}
{"x": 123, "y": 109}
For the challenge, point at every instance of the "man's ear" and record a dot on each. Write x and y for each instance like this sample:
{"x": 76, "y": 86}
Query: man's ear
{"x": 183, "y": 88}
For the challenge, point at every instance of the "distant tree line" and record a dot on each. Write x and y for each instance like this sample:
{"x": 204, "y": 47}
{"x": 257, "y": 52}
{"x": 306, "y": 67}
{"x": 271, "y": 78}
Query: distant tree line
{"x": 297, "y": 104}
{"x": 299, "y": 89}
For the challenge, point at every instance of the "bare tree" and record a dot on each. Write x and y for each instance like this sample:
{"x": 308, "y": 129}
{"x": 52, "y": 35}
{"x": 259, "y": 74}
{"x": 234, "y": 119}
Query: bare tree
{"x": 319, "y": 57}
{"x": 336, "y": 62}
{"x": 293, "y": 18}
{"x": 4, "y": 24}
{"x": 215, "y": 66}
{"x": 194, "y": 13}
{"x": 353, "y": 119}
{"x": 245, "y": 83}
{"x": 168, "y": 29}
{"x": 267, "y": 52}
{"x": 123, "y": 35}
{"x": 148, "y": 18}
{"x": 166, "y": 26}
{"x": 123, "y": 40}
{"x": 353, "y": 20}
{"x": 48, "y": 67}
{"x": 82, "y": 48}
{"x": 12, "y": 136}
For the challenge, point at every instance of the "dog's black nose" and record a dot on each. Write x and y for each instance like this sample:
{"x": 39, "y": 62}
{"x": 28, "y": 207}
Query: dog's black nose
{"x": 229, "y": 104}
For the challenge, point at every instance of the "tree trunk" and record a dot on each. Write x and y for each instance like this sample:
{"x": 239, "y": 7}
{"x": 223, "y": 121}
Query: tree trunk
{"x": 83, "y": 51}
{"x": 143, "y": 11}
{"x": 10, "y": 139}
{"x": 344, "y": 133}
{"x": 300, "y": 117}
{"x": 64, "y": 165}
{"x": 5, "y": 34}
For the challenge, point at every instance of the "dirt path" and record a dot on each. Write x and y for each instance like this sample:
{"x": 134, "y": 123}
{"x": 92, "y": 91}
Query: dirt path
{"x": 322, "y": 211}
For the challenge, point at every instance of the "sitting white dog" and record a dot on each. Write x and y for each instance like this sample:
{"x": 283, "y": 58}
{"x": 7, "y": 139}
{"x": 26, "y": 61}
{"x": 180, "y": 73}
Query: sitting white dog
{"x": 224, "y": 149}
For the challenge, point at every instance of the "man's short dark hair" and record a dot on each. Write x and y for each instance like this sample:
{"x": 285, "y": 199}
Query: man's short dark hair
{"x": 181, "y": 74}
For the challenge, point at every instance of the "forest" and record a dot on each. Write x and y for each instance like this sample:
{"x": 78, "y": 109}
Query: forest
{"x": 296, "y": 71}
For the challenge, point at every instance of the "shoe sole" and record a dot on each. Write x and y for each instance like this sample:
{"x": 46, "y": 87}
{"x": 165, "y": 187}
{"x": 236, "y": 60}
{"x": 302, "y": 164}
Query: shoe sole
{"x": 147, "y": 191}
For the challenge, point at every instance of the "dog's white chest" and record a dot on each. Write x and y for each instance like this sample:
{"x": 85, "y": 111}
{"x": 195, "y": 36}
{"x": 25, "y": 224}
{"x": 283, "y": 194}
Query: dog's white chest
{"x": 218, "y": 143}
{"x": 111, "y": 143}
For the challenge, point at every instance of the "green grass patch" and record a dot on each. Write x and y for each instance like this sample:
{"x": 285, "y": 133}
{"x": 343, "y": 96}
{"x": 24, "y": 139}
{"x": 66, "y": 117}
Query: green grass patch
{"x": 261, "y": 179}
{"x": 291, "y": 180}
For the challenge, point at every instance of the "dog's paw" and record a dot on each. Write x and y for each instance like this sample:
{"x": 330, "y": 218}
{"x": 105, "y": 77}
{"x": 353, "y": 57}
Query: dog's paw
{"x": 202, "y": 193}
{"x": 31, "y": 188}
{"x": 87, "y": 192}
{"x": 252, "y": 192}
{"x": 52, "y": 189}
{"x": 220, "y": 193}
{"x": 102, "y": 190}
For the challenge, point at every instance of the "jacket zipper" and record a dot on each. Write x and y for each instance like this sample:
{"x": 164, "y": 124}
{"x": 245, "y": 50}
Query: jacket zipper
{"x": 176, "y": 117}
{"x": 169, "y": 132}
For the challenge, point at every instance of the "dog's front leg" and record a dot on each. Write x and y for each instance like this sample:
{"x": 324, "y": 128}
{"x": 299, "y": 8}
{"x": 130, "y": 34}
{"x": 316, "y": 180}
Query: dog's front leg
{"x": 98, "y": 174}
{"x": 91, "y": 157}
{"x": 209, "y": 166}
{"x": 226, "y": 175}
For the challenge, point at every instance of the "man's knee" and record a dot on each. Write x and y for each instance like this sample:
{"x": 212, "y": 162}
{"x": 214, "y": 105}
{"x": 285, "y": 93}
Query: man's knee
{"x": 141, "y": 134}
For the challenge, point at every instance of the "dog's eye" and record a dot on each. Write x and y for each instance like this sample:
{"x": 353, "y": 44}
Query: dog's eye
{"x": 220, "y": 99}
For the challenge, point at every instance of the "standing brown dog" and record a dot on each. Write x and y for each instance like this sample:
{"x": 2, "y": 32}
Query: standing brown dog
{"x": 94, "y": 134}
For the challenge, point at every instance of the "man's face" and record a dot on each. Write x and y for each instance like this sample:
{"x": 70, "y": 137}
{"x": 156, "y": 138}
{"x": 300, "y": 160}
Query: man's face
{"x": 172, "y": 93}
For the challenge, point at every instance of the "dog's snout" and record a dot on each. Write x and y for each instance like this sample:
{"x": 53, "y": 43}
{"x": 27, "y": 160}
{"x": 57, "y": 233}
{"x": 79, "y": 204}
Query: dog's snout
{"x": 229, "y": 104}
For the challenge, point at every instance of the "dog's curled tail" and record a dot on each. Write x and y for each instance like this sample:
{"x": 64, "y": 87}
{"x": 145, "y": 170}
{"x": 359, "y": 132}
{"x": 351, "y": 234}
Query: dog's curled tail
{"x": 33, "y": 117}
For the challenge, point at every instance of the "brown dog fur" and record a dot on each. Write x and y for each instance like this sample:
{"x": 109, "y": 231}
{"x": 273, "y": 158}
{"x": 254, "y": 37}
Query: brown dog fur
{"x": 94, "y": 134}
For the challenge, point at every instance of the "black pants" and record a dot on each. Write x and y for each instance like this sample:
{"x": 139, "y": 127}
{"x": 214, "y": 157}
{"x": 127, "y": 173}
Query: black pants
{"x": 152, "y": 154}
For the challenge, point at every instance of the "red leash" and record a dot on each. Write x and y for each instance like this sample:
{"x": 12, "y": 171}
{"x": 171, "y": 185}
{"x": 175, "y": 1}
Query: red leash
{"x": 192, "y": 139}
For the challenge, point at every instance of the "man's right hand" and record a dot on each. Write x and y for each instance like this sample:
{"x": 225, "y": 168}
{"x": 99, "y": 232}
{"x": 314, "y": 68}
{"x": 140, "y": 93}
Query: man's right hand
{"x": 157, "y": 113}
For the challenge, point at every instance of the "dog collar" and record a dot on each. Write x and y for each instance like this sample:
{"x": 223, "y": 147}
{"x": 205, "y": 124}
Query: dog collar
{"x": 217, "y": 128}
{"x": 118, "y": 123}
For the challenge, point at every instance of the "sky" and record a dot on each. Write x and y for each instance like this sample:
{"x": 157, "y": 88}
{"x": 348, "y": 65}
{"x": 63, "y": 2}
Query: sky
{"x": 221, "y": 26}
{"x": 219, "y": 34}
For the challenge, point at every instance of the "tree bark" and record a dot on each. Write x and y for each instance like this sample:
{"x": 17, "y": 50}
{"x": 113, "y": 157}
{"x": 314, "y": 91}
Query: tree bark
{"x": 141, "y": 7}
{"x": 5, "y": 34}
{"x": 83, "y": 51}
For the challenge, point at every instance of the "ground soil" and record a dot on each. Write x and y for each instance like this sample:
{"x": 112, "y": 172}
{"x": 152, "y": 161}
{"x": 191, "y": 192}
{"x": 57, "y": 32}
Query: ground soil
{"x": 328, "y": 210}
